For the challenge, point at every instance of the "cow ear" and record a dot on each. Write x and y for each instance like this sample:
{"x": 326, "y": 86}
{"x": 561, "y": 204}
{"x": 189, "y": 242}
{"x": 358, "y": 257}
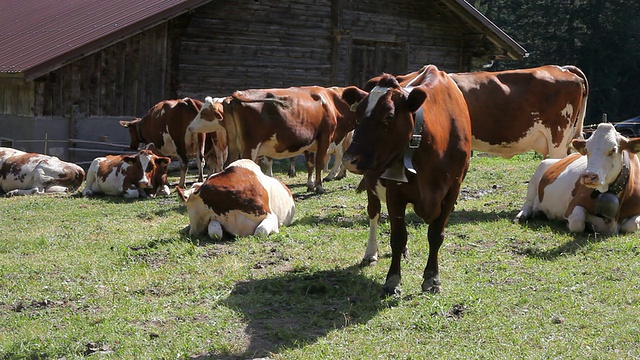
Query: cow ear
{"x": 125, "y": 123}
{"x": 416, "y": 99}
{"x": 163, "y": 161}
{"x": 352, "y": 96}
{"x": 129, "y": 159}
{"x": 373, "y": 82}
{"x": 580, "y": 145}
{"x": 632, "y": 145}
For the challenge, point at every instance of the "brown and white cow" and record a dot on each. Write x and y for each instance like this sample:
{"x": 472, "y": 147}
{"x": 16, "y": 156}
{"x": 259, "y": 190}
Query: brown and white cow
{"x": 240, "y": 200}
{"x": 24, "y": 173}
{"x": 279, "y": 123}
{"x": 141, "y": 175}
{"x": 514, "y": 111}
{"x": 166, "y": 125}
{"x": 422, "y": 135}
{"x": 599, "y": 186}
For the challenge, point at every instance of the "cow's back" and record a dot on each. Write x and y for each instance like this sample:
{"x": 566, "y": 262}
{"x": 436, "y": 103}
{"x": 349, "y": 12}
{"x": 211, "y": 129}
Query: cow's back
{"x": 518, "y": 110}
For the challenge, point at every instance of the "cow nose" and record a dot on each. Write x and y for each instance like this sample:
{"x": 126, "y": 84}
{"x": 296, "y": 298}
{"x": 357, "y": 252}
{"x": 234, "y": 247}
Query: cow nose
{"x": 589, "y": 178}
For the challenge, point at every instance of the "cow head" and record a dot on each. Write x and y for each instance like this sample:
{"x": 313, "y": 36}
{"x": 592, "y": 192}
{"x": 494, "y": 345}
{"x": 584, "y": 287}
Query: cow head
{"x": 210, "y": 118}
{"x": 384, "y": 124}
{"x": 147, "y": 171}
{"x": 604, "y": 151}
{"x": 134, "y": 132}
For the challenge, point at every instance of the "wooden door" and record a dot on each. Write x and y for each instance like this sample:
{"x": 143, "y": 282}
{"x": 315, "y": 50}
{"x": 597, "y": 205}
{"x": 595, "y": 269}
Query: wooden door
{"x": 372, "y": 58}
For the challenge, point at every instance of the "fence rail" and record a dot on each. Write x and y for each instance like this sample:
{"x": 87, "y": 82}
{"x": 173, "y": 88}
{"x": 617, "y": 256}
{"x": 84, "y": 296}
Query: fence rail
{"x": 74, "y": 146}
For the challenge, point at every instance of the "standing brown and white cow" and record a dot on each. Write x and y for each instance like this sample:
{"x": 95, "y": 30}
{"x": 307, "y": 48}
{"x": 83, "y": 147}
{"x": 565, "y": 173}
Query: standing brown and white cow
{"x": 422, "y": 135}
{"x": 279, "y": 123}
{"x": 599, "y": 186}
{"x": 141, "y": 175}
{"x": 240, "y": 200}
{"x": 514, "y": 111}
{"x": 166, "y": 125}
{"x": 24, "y": 173}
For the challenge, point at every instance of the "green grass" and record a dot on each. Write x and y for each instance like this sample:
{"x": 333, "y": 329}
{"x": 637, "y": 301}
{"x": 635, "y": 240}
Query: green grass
{"x": 116, "y": 279}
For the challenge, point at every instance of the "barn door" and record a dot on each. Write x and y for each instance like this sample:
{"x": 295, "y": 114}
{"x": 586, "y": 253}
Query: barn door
{"x": 371, "y": 58}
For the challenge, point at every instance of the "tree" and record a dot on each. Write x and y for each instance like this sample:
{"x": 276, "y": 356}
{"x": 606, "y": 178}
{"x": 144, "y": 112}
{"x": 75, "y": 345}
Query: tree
{"x": 599, "y": 36}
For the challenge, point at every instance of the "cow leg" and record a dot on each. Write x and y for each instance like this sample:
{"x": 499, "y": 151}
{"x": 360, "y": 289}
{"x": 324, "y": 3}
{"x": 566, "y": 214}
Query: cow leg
{"x": 334, "y": 168}
{"x": 319, "y": 165}
{"x": 373, "y": 210}
{"x": 200, "y": 162}
{"x": 292, "y": 167}
{"x": 630, "y": 225}
{"x": 20, "y": 192}
{"x": 268, "y": 165}
{"x": 309, "y": 161}
{"x": 577, "y": 219}
{"x": 431, "y": 282}
{"x": 184, "y": 165}
{"x": 397, "y": 210}
{"x": 267, "y": 226}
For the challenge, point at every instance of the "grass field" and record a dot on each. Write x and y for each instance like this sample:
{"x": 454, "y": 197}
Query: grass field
{"x": 111, "y": 278}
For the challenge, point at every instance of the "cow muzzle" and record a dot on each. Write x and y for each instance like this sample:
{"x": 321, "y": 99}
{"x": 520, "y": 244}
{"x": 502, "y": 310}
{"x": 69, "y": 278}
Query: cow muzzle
{"x": 351, "y": 163}
{"x": 590, "y": 179}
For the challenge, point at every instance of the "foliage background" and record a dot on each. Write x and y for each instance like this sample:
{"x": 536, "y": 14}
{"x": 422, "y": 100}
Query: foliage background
{"x": 598, "y": 36}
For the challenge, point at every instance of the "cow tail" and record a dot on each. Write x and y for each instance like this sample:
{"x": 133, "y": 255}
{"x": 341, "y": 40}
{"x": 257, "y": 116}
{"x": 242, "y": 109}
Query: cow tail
{"x": 583, "y": 106}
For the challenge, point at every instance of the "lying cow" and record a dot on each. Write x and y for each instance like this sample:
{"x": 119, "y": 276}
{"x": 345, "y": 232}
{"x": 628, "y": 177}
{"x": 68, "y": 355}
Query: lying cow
{"x": 279, "y": 123}
{"x": 166, "y": 126}
{"x": 413, "y": 147}
{"x": 141, "y": 175}
{"x": 514, "y": 111}
{"x": 240, "y": 200}
{"x": 599, "y": 186}
{"x": 24, "y": 173}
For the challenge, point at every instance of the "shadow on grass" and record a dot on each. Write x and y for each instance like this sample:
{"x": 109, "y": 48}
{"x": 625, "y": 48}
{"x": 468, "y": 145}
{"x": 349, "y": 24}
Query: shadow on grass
{"x": 296, "y": 308}
{"x": 333, "y": 219}
{"x": 571, "y": 247}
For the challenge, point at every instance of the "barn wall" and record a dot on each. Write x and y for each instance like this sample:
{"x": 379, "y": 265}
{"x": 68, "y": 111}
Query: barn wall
{"x": 126, "y": 78}
{"x": 236, "y": 45}
{"x": 231, "y": 45}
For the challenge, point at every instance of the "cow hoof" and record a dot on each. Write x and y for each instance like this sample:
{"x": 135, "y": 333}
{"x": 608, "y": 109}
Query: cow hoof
{"x": 432, "y": 285}
{"x": 185, "y": 230}
{"x": 392, "y": 286}
{"x": 369, "y": 260}
{"x": 11, "y": 193}
{"x": 215, "y": 230}
{"x": 391, "y": 291}
{"x": 320, "y": 190}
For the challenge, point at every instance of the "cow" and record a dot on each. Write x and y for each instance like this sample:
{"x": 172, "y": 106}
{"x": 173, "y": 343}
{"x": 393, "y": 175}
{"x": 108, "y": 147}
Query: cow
{"x": 166, "y": 126}
{"x": 600, "y": 185}
{"x": 514, "y": 111}
{"x": 412, "y": 146}
{"x": 131, "y": 176}
{"x": 279, "y": 123}
{"x": 240, "y": 200}
{"x": 23, "y": 173}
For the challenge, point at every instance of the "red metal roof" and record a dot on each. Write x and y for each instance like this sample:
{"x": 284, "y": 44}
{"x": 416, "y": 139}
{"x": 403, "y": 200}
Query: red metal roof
{"x": 38, "y": 36}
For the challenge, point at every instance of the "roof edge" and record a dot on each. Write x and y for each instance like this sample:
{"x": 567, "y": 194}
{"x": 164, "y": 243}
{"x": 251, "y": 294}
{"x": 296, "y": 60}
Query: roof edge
{"x": 463, "y": 9}
{"x": 108, "y": 40}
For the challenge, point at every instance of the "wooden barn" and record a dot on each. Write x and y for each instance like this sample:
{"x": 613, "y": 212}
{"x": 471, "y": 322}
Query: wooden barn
{"x": 69, "y": 70}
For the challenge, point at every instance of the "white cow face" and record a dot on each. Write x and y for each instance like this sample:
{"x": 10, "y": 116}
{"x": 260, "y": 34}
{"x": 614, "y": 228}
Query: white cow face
{"x": 210, "y": 118}
{"x": 604, "y": 156}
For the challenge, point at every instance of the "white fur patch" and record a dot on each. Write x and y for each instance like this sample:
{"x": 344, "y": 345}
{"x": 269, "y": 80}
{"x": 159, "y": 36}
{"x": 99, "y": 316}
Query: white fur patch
{"x": 374, "y": 96}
